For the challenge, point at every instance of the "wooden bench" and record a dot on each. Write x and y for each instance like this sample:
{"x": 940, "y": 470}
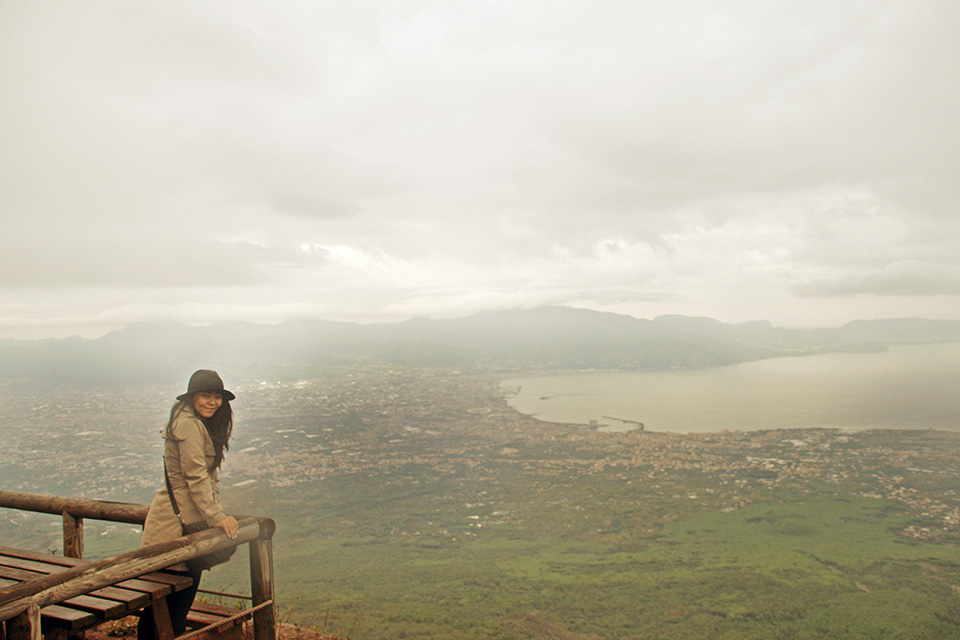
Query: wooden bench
{"x": 60, "y": 596}
{"x": 126, "y": 598}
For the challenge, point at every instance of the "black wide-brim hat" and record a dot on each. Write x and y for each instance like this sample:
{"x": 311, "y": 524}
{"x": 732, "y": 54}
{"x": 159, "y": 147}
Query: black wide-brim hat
{"x": 206, "y": 380}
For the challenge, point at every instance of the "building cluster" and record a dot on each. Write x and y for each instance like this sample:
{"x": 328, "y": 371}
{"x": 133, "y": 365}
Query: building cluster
{"x": 418, "y": 426}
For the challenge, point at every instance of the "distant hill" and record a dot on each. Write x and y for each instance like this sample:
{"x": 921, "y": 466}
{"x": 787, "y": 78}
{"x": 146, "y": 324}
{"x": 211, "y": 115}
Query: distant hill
{"x": 518, "y": 340}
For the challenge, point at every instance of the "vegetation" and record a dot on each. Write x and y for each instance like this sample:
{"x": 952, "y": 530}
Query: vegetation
{"x": 416, "y": 505}
{"x": 800, "y": 564}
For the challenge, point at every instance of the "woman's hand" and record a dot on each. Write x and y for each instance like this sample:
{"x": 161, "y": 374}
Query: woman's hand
{"x": 229, "y": 526}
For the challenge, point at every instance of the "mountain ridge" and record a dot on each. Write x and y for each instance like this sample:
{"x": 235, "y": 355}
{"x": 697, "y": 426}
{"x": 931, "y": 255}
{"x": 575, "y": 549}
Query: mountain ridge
{"x": 542, "y": 338}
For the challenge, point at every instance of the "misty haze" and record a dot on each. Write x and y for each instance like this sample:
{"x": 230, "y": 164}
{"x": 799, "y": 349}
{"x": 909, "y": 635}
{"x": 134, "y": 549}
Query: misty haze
{"x": 414, "y": 498}
{"x": 452, "y": 255}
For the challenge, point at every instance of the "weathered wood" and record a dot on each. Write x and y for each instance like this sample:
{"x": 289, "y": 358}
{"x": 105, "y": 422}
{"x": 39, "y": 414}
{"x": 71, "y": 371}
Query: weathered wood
{"x": 23, "y": 569}
{"x": 72, "y": 536}
{"x": 78, "y": 507}
{"x": 151, "y": 585}
{"x": 21, "y": 602}
{"x": 262, "y": 588}
{"x": 18, "y": 628}
{"x": 66, "y": 618}
{"x": 11, "y": 552}
{"x": 131, "y": 600}
{"x": 162, "y": 627}
{"x": 102, "y": 608}
{"x": 152, "y": 589}
{"x": 94, "y": 601}
{"x": 176, "y": 581}
{"x": 37, "y": 566}
{"x": 18, "y": 576}
{"x": 33, "y": 614}
{"x": 95, "y": 575}
{"x": 26, "y": 625}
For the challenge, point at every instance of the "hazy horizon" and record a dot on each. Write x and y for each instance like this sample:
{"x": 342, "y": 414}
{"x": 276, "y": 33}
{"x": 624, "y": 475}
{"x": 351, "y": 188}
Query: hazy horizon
{"x": 95, "y": 332}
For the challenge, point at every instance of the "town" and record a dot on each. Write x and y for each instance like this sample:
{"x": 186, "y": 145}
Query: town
{"x": 416, "y": 426}
{"x": 418, "y": 501}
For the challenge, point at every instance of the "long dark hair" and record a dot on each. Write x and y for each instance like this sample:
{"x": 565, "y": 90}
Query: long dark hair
{"x": 219, "y": 426}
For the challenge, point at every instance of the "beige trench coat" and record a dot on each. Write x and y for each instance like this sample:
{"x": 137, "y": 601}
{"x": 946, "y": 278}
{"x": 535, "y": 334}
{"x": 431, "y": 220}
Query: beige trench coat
{"x": 188, "y": 453}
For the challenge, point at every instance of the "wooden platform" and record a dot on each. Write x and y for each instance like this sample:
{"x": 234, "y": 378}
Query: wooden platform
{"x": 126, "y": 598}
{"x": 60, "y": 596}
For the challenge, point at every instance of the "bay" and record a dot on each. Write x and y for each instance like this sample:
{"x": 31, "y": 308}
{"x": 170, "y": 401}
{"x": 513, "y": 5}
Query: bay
{"x": 908, "y": 387}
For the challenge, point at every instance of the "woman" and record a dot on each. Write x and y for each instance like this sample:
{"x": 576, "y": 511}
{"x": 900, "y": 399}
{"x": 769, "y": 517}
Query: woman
{"x": 197, "y": 435}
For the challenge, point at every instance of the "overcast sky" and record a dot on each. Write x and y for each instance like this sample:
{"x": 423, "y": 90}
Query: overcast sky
{"x": 375, "y": 161}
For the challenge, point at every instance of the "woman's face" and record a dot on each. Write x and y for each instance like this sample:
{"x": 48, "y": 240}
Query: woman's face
{"x": 206, "y": 403}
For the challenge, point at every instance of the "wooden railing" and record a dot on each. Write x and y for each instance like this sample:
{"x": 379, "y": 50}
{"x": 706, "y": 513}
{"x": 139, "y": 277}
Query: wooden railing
{"x": 21, "y": 603}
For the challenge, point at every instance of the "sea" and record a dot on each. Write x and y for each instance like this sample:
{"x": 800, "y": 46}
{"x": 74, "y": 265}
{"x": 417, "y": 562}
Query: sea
{"x": 907, "y": 387}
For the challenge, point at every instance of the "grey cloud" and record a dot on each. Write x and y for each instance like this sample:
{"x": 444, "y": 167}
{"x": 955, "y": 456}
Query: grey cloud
{"x": 109, "y": 260}
{"x": 430, "y": 155}
{"x": 294, "y": 179}
{"x": 836, "y": 102}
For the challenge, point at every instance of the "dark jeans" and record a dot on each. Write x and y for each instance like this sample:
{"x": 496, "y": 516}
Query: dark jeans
{"x": 178, "y": 602}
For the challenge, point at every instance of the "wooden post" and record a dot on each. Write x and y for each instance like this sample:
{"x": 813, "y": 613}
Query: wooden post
{"x": 162, "y": 626}
{"x": 72, "y": 536}
{"x": 33, "y": 613}
{"x": 261, "y": 589}
{"x": 25, "y": 626}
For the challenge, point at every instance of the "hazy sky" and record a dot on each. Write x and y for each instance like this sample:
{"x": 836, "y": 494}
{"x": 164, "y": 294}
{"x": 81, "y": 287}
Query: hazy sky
{"x": 374, "y": 161}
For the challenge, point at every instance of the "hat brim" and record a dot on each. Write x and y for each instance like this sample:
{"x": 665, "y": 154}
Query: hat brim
{"x": 229, "y": 397}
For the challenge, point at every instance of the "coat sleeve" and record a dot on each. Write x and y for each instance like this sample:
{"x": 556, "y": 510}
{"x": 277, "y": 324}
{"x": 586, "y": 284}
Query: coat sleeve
{"x": 191, "y": 435}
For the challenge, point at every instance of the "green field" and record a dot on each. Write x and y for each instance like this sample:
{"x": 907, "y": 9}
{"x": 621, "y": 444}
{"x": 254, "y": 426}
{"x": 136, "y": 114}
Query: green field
{"x": 802, "y": 563}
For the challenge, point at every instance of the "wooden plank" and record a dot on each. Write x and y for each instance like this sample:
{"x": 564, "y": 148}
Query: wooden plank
{"x": 84, "y": 611}
{"x": 151, "y": 586}
{"x": 100, "y": 606}
{"x": 153, "y": 589}
{"x": 177, "y": 581}
{"x": 130, "y": 599}
{"x": 43, "y": 557}
{"x": 56, "y": 615}
{"x": 45, "y": 568}
{"x": 18, "y": 575}
{"x": 94, "y": 575}
{"x": 62, "y": 617}
{"x": 103, "y": 609}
